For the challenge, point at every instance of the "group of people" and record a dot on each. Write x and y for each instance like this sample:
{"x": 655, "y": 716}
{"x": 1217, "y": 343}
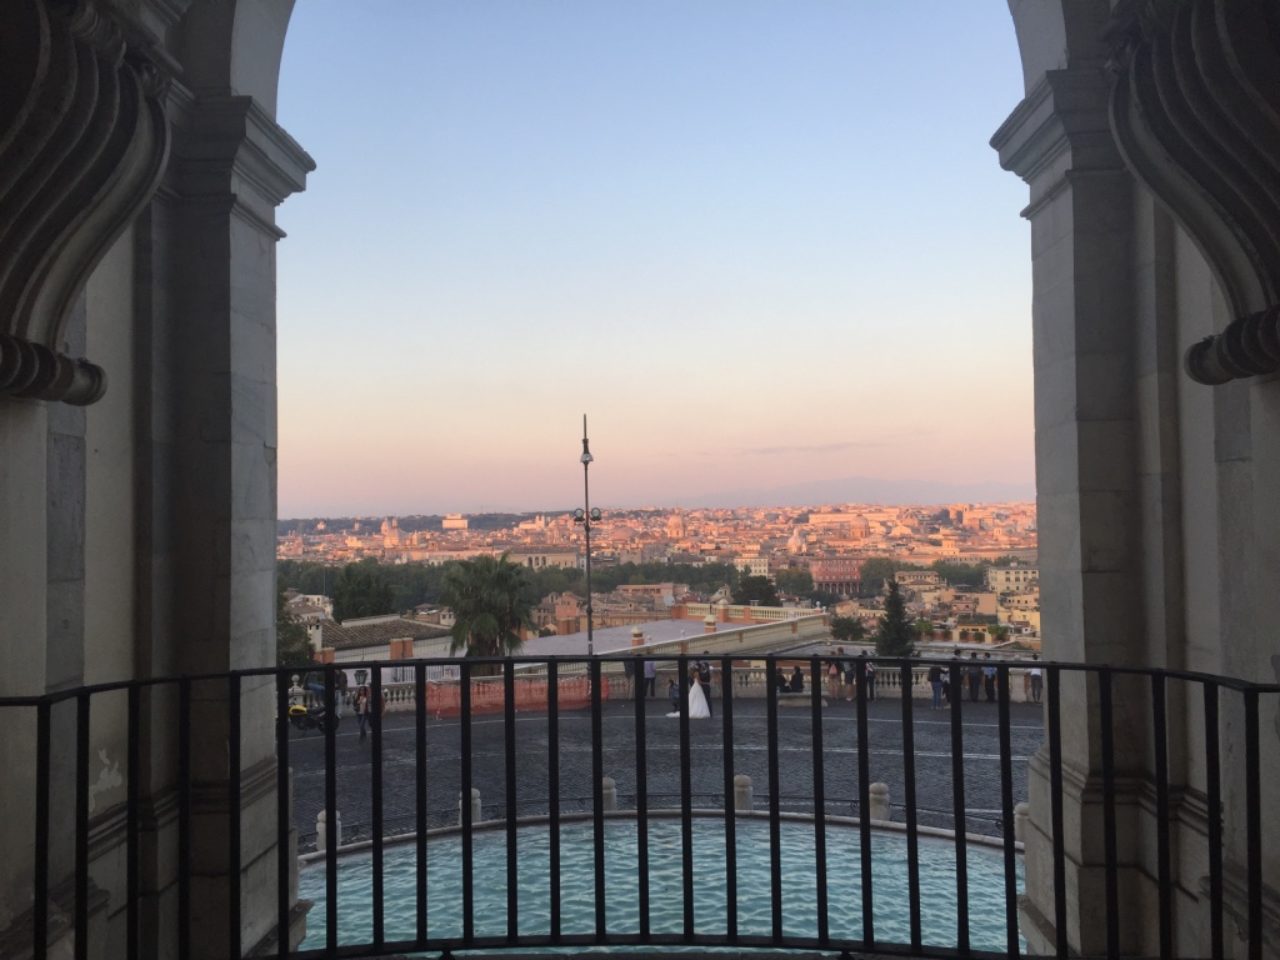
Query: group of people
{"x": 980, "y": 677}
{"x": 842, "y": 676}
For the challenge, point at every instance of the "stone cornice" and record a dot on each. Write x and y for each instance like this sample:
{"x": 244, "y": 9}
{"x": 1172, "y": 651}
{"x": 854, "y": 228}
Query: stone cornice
{"x": 1065, "y": 112}
{"x": 225, "y": 140}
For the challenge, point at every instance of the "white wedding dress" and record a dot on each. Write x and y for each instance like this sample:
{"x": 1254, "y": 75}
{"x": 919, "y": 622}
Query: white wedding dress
{"x": 698, "y": 709}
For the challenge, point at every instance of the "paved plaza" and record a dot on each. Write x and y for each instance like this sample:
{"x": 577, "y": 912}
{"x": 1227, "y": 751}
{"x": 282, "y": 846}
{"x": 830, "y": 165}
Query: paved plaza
{"x": 662, "y": 752}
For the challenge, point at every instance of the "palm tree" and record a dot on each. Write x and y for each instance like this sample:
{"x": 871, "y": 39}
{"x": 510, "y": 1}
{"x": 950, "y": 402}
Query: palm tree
{"x": 489, "y": 601}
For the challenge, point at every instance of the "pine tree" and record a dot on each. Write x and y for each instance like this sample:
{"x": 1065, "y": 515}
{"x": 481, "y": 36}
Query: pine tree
{"x": 897, "y": 634}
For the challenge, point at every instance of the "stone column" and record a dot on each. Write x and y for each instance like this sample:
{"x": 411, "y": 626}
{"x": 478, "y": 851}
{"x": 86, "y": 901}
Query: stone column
{"x": 212, "y": 460}
{"x": 1081, "y": 215}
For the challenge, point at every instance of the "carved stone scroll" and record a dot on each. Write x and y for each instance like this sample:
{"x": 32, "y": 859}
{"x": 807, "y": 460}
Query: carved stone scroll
{"x": 1195, "y": 110}
{"x": 83, "y": 143}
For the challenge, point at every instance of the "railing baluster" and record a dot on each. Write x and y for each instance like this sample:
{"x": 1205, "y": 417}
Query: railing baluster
{"x": 909, "y": 798}
{"x": 642, "y": 800}
{"x": 233, "y": 814}
{"x": 184, "y": 819}
{"x": 1213, "y": 787}
{"x": 331, "y": 810}
{"x": 40, "y": 908}
{"x": 420, "y": 796}
{"x": 553, "y": 792}
{"x": 819, "y": 800}
{"x": 283, "y": 812}
{"x": 730, "y": 813}
{"x": 1055, "y": 813}
{"x": 686, "y": 801}
{"x": 864, "y": 805}
{"x": 82, "y": 828}
{"x": 775, "y": 824}
{"x": 597, "y": 800}
{"x": 1006, "y": 814}
{"x": 379, "y": 905}
{"x": 468, "y": 881}
{"x": 133, "y": 836}
{"x": 509, "y": 749}
{"x": 1253, "y": 822}
{"x": 958, "y": 812}
{"x": 1163, "y": 866}
{"x": 1107, "y": 722}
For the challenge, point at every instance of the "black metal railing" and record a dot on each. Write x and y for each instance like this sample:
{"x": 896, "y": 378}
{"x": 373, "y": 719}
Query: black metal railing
{"x": 832, "y": 753}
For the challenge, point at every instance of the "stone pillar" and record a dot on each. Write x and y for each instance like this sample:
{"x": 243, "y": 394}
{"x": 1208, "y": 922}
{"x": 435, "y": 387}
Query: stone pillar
{"x": 709, "y": 624}
{"x": 477, "y": 808}
{"x": 743, "y": 798}
{"x": 209, "y": 412}
{"x": 609, "y": 793}
{"x": 322, "y": 826}
{"x": 1021, "y": 813}
{"x": 1087, "y": 434}
{"x": 879, "y": 808}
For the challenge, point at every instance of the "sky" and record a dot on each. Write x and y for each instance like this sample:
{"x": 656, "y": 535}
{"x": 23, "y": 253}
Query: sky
{"x": 763, "y": 244}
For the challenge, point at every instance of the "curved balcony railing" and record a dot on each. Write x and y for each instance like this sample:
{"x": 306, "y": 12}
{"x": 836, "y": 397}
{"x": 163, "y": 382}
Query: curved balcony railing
{"x": 213, "y": 749}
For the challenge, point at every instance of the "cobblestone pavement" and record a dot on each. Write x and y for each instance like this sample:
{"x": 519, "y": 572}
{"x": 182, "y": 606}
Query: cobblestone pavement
{"x": 662, "y": 753}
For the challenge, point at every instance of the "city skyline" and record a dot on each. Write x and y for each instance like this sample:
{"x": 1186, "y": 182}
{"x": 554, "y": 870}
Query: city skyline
{"x": 759, "y": 253}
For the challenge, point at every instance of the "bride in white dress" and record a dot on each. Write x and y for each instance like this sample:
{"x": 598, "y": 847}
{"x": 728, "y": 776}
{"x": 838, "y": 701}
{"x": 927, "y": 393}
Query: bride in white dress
{"x": 698, "y": 709}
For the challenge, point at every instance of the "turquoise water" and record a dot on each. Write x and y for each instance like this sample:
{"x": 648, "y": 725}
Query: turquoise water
{"x": 844, "y": 890}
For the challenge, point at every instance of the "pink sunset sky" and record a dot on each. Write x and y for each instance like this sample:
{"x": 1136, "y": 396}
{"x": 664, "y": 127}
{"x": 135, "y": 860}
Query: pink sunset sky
{"x": 770, "y": 264}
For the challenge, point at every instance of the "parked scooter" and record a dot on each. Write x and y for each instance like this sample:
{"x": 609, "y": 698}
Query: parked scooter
{"x": 311, "y": 718}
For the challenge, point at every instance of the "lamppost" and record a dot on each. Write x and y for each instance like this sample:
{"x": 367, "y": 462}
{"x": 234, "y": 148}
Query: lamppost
{"x": 586, "y": 516}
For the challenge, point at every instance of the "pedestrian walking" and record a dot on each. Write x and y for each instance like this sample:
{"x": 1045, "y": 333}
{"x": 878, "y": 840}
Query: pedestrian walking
{"x": 650, "y": 677}
{"x": 869, "y": 677}
{"x": 989, "y": 679}
{"x": 1037, "y": 678}
{"x": 974, "y": 676}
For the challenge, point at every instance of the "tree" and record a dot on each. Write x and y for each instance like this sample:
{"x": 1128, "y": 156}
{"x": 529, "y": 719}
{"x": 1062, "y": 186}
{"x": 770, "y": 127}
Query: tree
{"x": 796, "y": 582}
{"x": 897, "y": 634}
{"x": 293, "y": 646}
{"x": 847, "y": 629}
{"x": 876, "y": 570}
{"x": 924, "y": 629}
{"x": 490, "y": 603}
{"x": 758, "y": 590}
{"x": 954, "y": 573}
{"x": 361, "y": 590}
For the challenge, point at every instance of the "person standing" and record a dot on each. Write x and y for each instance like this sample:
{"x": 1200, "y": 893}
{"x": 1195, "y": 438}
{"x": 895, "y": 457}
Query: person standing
{"x": 704, "y": 677}
{"x": 989, "y": 679}
{"x": 1037, "y": 679}
{"x": 650, "y": 677}
{"x": 362, "y": 710}
{"x": 869, "y": 676}
{"x": 835, "y": 671}
{"x": 974, "y": 676}
{"x": 935, "y": 681}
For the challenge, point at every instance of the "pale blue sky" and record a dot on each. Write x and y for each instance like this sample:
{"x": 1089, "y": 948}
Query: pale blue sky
{"x": 762, "y": 244}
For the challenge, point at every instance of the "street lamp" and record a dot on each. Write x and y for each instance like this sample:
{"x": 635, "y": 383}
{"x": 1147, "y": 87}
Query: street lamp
{"x": 586, "y": 516}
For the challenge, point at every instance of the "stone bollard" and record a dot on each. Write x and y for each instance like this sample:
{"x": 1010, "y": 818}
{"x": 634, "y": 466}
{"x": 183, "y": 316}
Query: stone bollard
{"x": 742, "y": 794}
{"x": 1021, "y": 813}
{"x": 477, "y": 809}
{"x": 879, "y": 801}
{"x": 609, "y": 793}
{"x": 322, "y": 838}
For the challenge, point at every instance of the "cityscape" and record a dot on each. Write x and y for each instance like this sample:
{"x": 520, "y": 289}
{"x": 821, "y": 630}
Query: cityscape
{"x": 967, "y": 571}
